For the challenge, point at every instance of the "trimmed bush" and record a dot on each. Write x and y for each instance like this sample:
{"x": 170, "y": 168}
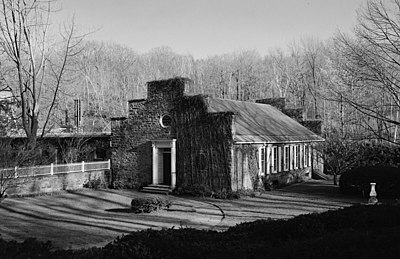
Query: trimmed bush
{"x": 149, "y": 204}
{"x": 357, "y": 181}
{"x": 94, "y": 184}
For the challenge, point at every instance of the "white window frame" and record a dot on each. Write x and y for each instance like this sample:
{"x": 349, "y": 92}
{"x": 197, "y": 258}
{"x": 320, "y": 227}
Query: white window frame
{"x": 268, "y": 152}
{"x": 301, "y": 156}
{"x": 286, "y": 158}
{"x": 291, "y": 159}
{"x": 295, "y": 157}
{"x": 274, "y": 159}
{"x": 306, "y": 155}
{"x": 280, "y": 155}
{"x": 262, "y": 160}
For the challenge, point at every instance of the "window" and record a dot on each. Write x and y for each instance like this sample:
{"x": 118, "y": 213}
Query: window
{"x": 301, "y": 156}
{"x": 281, "y": 159}
{"x": 286, "y": 155}
{"x": 262, "y": 161}
{"x": 306, "y": 155}
{"x": 165, "y": 121}
{"x": 273, "y": 159}
{"x": 297, "y": 157}
{"x": 292, "y": 157}
{"x": 274, "y": 164}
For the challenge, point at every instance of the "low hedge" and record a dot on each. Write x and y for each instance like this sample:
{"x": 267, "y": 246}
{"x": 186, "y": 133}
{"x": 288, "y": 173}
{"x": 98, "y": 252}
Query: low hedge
{"x": 358, "y": 181}
{"x": 149, "y": 204}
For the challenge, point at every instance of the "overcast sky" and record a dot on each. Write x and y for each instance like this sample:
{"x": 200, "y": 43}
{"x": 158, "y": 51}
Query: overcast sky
{"x": 204, "y": 28}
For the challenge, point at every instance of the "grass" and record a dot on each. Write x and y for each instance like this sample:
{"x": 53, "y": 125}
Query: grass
{"x": 354, "y": 232}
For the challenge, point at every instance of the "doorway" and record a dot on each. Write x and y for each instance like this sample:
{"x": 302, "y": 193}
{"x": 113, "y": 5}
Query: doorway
{"x": 166, "y": 166}
{"x": 164, "y": 162}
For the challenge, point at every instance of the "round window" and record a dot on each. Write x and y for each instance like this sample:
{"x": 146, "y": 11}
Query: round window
{"x": 165, "y": 121}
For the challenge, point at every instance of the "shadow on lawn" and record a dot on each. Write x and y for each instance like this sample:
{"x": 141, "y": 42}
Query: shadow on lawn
{"x": 121, "y": 210}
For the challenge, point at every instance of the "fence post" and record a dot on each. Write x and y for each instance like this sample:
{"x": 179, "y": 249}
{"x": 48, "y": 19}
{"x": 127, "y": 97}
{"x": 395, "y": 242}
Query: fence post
{"x": 15, "y": 172}
{"x": 109, "y": 164}
{"x": 83, "y": 166}
{"x": 51, "y": 169}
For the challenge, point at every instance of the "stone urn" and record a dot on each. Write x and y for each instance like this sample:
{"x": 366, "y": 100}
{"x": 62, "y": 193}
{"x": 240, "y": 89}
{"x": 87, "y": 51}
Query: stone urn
{"x": 373, "y": 195}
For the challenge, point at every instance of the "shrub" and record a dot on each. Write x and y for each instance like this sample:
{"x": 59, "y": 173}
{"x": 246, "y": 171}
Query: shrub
{"x": 224, "y": 194}
{"x": 357, "y": 181}
{"x": 94, "y": 184}
{"x": 149, "y": 204}
{"x": 196, "y": 190}
{"x": 341, "y": 155}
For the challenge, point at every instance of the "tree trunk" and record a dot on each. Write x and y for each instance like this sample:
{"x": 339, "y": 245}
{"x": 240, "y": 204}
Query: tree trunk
{"x": 335, "y": 179}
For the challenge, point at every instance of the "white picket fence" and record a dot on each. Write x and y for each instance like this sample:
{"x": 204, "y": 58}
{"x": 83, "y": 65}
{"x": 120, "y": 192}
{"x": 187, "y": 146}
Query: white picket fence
{"x": 53, "y": 169}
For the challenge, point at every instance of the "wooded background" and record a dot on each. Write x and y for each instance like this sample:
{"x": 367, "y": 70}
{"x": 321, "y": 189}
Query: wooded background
{"x": 350, "y": 82}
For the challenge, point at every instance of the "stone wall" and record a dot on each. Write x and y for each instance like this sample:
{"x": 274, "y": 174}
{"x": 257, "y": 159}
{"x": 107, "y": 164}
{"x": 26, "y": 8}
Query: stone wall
{"x": 204, "y": 143}
{"x": 24, "y": 186}
{"x": 203, "y": 140}
{"x": 132, "y": 137}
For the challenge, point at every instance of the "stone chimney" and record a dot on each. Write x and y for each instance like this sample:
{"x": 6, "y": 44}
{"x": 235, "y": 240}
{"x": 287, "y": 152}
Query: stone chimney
{"x": 134, "y": 105}
{"x": 279, "y": 103}
{"x": 294, "y": 113}
{"x": 167, "y": 89}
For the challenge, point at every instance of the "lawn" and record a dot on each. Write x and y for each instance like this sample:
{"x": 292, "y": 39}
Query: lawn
{"x": 360, "y": 231}
{"x": 96, "y": 217}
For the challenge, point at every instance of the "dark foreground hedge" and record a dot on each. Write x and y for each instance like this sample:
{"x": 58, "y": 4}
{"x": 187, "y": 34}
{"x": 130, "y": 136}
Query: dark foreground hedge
{"x": 357, "y": 181}
{"x": 356, "y": 232}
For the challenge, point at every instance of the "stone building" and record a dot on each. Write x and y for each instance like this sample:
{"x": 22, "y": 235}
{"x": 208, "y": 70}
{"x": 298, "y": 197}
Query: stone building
{"x": 178, "y": 140}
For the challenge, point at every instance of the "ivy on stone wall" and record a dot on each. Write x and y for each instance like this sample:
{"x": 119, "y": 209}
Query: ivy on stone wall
{"x": 202, "y": 136}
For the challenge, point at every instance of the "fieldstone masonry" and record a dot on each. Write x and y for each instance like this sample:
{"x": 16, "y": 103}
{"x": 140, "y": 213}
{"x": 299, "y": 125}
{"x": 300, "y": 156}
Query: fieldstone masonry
{"x": 23, "y": 186}
{"x": 132, "y": 137}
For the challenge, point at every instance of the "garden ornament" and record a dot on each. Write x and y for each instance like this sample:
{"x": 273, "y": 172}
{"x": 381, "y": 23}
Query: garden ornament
{"x": 372, "y": 195}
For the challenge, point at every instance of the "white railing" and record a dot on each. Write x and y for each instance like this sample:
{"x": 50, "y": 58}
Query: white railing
{"x": 53, "y": 169}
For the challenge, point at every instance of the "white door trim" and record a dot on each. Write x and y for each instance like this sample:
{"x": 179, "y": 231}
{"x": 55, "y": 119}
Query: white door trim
{"x": 164, "y": 143}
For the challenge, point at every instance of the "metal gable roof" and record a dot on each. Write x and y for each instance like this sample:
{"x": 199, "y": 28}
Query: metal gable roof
{"x": 263, "y": 123}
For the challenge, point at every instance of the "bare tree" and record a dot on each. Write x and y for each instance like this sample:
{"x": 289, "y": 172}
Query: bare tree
{"x": 369, "y": 63}
{"x": 72, "y": 148}
{"x": 34, "y": 66}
